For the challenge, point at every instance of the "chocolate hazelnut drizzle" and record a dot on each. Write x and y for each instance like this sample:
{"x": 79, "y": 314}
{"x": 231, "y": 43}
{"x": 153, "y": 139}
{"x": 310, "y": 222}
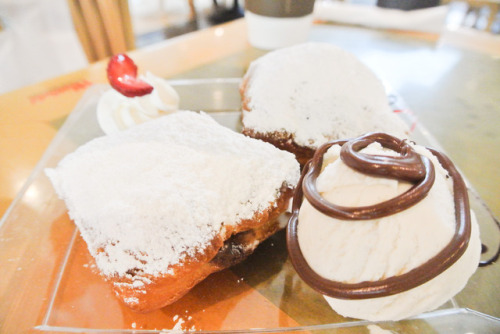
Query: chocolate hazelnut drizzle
{"x": 484, "y": 249}
{"x": 408, "y": 166}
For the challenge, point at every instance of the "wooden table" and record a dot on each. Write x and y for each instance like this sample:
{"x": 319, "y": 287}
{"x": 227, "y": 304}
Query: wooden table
{"x": 453, "y": 91}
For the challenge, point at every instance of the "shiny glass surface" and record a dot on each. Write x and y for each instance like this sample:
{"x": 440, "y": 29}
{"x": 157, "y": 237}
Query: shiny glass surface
{"x": 263, "y": 294}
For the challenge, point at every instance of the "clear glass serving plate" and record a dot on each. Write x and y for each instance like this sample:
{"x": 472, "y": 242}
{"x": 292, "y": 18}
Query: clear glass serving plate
{"x": 261, "y": 295}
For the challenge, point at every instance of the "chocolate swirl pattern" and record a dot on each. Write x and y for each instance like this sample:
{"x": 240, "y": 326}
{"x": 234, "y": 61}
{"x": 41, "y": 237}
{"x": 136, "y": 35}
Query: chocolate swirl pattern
{"x": 408, "y": 166}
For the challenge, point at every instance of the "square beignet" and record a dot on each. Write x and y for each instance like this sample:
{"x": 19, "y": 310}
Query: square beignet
{"x": 168, "y": 202}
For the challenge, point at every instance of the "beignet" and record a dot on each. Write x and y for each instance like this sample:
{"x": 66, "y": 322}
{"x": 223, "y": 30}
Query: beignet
{"x": 165, "y": 203}
{"x": 303, "y": 96}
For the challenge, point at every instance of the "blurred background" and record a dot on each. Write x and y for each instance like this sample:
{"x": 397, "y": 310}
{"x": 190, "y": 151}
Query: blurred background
{"x": 42, "y": 39}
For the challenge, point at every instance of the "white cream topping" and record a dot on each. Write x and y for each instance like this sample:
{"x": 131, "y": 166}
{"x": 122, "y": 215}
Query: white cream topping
{"x": 356, "y": 251}
{"x": 153, "y": 194}
{"x": 317, "y": 92}
{"x": 116, "y": 112}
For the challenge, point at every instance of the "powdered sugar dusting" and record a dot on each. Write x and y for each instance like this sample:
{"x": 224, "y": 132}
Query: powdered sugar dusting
{"x": 131, "y": 300}
{"x": 150, "y": 196}
{"x": 317, "y": 92}
{"x": 181, "y": 325}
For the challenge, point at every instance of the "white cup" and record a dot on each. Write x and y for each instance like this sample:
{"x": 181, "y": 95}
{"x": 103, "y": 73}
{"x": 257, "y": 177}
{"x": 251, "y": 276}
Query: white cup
{"x": 275, "y": 24}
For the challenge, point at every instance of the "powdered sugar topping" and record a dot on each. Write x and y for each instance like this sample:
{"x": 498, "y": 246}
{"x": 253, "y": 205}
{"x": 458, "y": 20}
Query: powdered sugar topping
{"x": 147, "y": 197}
{"x": 317, "y": 92}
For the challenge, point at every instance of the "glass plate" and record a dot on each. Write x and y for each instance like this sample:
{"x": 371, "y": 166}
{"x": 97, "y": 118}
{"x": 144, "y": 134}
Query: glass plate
{"x": 261, "y": 295}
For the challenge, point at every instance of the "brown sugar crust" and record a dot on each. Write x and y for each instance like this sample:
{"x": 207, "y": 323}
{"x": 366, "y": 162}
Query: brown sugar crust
{"x": 225, "y": 250}
{"x": 282, "y": 140}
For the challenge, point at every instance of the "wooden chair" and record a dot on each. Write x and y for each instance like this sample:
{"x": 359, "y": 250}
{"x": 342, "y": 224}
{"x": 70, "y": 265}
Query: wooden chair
{"x": 103, "y": 27}
{"x": 480, "y": 14}
{"x": 491, "y": 8}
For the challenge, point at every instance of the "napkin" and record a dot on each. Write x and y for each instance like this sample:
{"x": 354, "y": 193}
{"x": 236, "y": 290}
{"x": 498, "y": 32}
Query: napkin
{"x": 430, "y": 20}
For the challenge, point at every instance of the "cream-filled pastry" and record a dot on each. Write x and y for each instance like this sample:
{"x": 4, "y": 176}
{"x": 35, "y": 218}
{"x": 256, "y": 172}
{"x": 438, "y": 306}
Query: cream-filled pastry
{"x": 384, "y": 230}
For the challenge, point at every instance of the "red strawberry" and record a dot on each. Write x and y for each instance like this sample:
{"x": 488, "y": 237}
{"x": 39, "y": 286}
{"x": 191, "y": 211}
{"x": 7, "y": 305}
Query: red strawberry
{"x": 122, "y": 75}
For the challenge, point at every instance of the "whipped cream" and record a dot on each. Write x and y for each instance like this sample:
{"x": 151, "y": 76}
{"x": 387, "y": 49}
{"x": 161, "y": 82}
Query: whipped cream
{"x": 358, "y": 251}
{"x": 116, "y": 112}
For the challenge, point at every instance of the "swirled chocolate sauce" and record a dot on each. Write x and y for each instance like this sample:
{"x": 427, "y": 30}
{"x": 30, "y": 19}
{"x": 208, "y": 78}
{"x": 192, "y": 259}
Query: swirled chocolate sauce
{"x": 407, "y": 166}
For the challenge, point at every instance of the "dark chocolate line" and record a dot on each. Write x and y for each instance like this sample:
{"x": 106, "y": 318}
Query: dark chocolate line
{"x": 495, "y": 257}
{"x": 408, "y": 166}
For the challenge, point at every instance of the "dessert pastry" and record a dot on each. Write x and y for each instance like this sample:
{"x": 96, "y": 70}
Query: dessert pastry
{"x": 385, "y": 231}
{"x": 167, "y": 202}
{"x": 133, "y": 99}
{"x": 300, "y": 97}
